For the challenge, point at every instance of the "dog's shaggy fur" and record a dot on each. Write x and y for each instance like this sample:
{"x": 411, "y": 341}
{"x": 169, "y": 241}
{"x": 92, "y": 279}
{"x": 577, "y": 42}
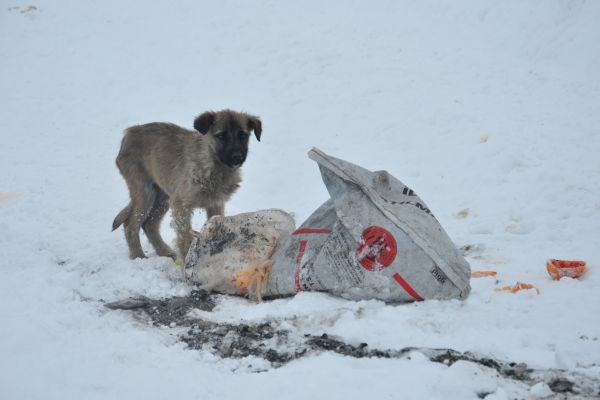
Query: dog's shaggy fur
{"x": 166, "y": 166}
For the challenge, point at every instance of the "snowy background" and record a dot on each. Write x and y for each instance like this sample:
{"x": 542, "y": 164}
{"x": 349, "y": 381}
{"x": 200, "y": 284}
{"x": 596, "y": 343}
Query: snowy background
{"x": 489, "y": 110}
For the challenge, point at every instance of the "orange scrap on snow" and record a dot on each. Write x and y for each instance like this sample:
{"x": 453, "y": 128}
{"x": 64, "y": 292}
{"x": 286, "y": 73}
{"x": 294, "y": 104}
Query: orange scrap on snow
{"x": 561, "y": 268}
{"x": 515, "y": 288}
{"x": 482, "y": 274}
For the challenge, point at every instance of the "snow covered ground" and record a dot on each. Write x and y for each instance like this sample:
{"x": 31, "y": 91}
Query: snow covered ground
{"x": 488, "y": 110}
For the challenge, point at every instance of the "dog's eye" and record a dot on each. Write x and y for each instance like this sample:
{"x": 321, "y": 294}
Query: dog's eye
{"x": 221, "y": 136}
{"x": 243, "y": 135}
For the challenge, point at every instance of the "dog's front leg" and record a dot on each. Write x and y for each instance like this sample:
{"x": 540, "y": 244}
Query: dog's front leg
{"x": 218, "y": 209}
{"x": 182, "y": 223}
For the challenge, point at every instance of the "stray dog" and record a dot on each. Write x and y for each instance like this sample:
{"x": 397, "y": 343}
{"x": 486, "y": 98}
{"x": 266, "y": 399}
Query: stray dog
{"x": 166, "y": 166}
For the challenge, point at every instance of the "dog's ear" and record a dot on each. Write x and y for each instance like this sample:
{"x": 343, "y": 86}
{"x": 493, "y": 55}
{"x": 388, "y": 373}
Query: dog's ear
{"x": 255, "y": 124}
{"x": 204, "y": 121}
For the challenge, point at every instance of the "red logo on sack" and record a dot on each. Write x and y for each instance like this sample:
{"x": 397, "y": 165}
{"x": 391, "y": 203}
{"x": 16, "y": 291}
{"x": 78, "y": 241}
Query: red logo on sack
{"x": 378, "y": 249}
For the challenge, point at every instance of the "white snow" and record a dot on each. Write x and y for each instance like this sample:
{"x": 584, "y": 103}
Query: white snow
{"x": 488, "y": 110}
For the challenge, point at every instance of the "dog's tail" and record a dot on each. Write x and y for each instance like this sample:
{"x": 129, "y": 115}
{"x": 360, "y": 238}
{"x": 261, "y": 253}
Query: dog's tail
{"x": 121, "y": 217}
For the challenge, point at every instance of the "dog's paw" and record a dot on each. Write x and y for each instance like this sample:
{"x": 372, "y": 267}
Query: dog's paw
{"x": 211, "y": 226}
{"x": 166, "y": 253}
{"x": 216, "y": 219}
{"x": 133, "y": 256}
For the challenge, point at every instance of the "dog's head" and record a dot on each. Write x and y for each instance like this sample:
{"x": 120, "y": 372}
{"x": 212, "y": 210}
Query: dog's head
{"x": 230, "y": 131}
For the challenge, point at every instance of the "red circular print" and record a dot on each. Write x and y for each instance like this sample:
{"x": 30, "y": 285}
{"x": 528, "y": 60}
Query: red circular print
{"x": 378, "y": 249}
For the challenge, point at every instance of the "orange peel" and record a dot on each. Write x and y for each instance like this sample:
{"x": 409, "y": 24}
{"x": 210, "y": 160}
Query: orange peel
{"x": 517, "y": 287}
{"x": 561, "y": 268}
{"x": 482, "y": 274}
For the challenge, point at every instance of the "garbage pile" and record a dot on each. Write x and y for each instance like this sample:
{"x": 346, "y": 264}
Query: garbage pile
{"x": 373, "y": 239}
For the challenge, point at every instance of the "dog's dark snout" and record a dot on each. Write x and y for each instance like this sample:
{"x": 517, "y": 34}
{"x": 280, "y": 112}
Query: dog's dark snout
{"x": 237, "y": 158}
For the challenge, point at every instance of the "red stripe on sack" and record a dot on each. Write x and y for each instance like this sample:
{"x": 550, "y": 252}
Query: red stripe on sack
{"x": 298, "y": 263}
{"x": 311, "y": 230}
{"x": 407, "y": 287}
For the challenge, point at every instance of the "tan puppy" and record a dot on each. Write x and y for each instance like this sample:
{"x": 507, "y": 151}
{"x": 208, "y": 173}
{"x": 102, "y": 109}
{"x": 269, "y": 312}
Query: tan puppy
{"x": 166, "y": 166}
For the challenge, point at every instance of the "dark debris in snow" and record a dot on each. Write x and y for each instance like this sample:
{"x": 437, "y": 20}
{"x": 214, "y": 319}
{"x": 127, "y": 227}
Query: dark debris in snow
{"x": 279, "y": 346}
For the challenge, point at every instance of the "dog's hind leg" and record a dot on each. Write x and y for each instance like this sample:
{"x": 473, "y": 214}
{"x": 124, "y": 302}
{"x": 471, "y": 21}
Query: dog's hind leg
{"x": 142, "y": 200}
{"x": 143, "y": 193}
{"x": 151, "y": 225}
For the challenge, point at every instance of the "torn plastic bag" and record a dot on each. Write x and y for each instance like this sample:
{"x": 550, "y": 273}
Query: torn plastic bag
{"x": 373, "y": 239}
{"x": 233, "y": 255}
